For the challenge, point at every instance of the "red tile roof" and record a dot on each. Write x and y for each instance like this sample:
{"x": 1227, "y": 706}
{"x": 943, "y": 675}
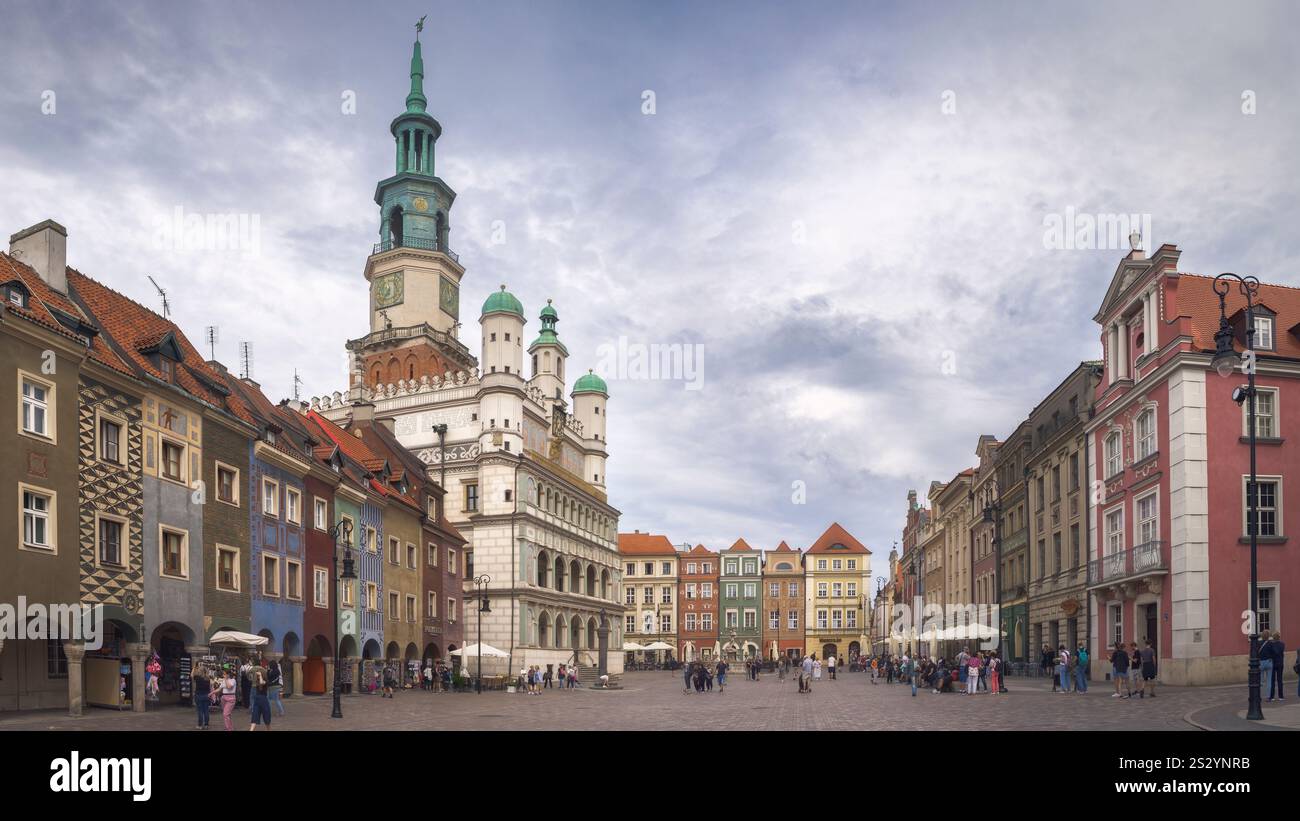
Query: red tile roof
{"x": 838, "y": 535}
{"x": 645, "y": 544}
{"x": 740, "y": 544}
{"x": 43, "y": 299}
{"x": 784, "y": 548}
{"x": 700, "y": 550}
{"x": 1197, "y": 300}
{"x": 131, "y": 326}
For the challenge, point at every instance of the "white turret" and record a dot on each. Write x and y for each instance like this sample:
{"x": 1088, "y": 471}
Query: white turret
{"x": 590, "y": 402}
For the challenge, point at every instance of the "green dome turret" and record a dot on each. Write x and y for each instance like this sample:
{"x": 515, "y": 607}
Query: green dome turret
{"x": 589, "y": 382}
{"x": 503, "y": 301}
{"x": 547, "y": 335}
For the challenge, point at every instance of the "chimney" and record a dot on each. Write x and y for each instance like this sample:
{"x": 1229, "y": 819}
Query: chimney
{"x": 388, "y": 422}
{"x": 363, "y": 413}
{"x": 44, "y": 247}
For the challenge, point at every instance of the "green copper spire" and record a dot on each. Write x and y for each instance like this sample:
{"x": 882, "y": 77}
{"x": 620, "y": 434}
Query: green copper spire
{"x": 415, "y": 101}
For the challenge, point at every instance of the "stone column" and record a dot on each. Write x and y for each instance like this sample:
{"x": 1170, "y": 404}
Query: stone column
{"x": 602, "y": 646}
{"x": 1148, "y": 327}
{"x": 329, "y": 675}
{"x": 297, "y": 661}
{"x": 139, "y": 653}
{"x": 76, "y": 652}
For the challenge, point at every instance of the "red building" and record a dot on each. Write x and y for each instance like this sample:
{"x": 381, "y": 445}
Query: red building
{"x": 319, "y": 615}
{"x": 697, "y": 604}
{"x": 783, "y": 603}
{"x": 1168, "y": 463}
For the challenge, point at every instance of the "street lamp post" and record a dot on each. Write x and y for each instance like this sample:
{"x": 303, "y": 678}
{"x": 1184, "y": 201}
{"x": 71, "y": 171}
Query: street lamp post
{"x": 1225, "y": 362}
{"x": 340, "y": 532}
{"x": 481, "y": 582}
{"x": 993, "y": 513}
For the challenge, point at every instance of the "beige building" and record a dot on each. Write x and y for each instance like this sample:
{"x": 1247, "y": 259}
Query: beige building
{"x": 649, "y": 593}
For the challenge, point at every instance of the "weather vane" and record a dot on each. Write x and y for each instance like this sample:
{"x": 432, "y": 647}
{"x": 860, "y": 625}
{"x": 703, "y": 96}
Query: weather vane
{"x": 419, "y": 27}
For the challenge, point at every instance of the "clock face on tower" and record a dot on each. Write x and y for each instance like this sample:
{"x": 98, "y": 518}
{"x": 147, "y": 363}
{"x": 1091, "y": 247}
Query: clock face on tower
{"x": 449, "y": 297}
{"x": 388, "y": 289}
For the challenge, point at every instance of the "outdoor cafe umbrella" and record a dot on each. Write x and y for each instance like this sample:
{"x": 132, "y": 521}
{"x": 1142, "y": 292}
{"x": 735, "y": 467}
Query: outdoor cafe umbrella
{"x": 473, "y": 650}
{"x": 631, "y": 647}
{"x": 657, "y": 645}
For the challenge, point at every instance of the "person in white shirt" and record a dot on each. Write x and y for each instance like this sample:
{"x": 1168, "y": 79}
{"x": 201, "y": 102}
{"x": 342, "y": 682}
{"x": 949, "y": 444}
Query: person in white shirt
{"x": 830, "y": 663}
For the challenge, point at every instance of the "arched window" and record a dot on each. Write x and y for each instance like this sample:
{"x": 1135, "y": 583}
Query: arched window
{"x": 543, "y": 630}
{"x": 604, "y": 584}
{"x": 1114, "y": 455}
{"x": 396, "y": 237}
{"x": 543, "y": 568}
{"x": 559, "y": 573}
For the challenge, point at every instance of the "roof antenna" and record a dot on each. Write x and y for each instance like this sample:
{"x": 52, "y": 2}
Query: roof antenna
{"x": 167, "y": 309}
{"x": 213, "y": 335}
{"x": 245, "y": 360}
{"x": 296, "y": 382}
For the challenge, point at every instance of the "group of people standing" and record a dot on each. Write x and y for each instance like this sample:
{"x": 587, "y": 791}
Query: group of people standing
{"x": 1069, "y": 668}
{"x": 700, "y": 676}
{"x": 534, "y": 679}
{"x": 1126, "y": 664}
{"x": 1272, "y": 659}
{"x": 254, "y": 685}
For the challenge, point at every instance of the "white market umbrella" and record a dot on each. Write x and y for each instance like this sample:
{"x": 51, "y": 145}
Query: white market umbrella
{"x": 238, "y": 639}
{"x": 472, "y": 651}
{"x": 658, "y": 645}
{"x": 631, "y": 647}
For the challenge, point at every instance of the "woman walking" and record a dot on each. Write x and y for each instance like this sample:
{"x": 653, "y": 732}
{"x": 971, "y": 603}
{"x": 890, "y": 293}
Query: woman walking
{"x": 229, "y": 688}
{"x": 202, "y": 697}
{"x": 973, "y": 668}
{"x": 274, "y": 684}
{"x": 995, "y": 673}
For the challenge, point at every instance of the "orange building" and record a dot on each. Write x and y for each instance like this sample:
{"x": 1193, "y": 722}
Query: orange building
{"x": 697, "y": 604}
{"x": 783, "y": 603}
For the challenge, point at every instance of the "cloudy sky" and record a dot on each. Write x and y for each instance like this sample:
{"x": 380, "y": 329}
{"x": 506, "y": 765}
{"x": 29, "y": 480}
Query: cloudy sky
{"x": 834, "y": 201}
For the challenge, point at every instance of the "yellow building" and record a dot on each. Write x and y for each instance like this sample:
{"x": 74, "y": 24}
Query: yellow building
{"x": 837, "y": 576}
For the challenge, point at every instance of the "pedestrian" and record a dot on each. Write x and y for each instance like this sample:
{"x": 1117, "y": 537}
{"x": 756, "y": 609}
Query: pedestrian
{"x": 963, "y": 671}
{"x": 1047, "y": 664}
{"x": 1064, "y": 667}
{"x": 1119, "y": 670}
{"x": 229, "y": 690}
{"x": 274, "y": 684}
{"x": 1081, "y": 660}
{"x": 202, "y": 697}
{"x": 547, "y": 678}
{"x": 722, "y": 675}
{"x": 1148, "y": 669}
{"x": 390, "y": 680}
{"x": 995, "y": 673}
{"x": 973, "y": 667}
{"x": 1276, "y": 656}
{"x": 984, "y": 667}
{"x": 243, "y": 683}
{"x": 688, "y": 671}
{"x": 909, "y": 669}
{"x": 806, "y": 673}
{"x": 830, "y": 665}
{"x": 875, "y": 669}
{"x": 261, "y": 704}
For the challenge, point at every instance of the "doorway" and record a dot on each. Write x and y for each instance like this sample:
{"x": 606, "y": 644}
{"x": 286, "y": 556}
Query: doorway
{"x": 1153, "y": 627}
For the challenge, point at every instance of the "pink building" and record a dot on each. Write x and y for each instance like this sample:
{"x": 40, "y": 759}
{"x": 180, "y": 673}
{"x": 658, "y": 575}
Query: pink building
{"x": 1168, "y": 463}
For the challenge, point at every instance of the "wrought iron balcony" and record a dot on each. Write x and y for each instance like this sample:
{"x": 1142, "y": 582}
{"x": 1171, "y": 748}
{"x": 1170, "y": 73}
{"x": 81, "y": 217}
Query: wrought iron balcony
{"x": 1142, "y": 560}
{"x": 416, "y": 242}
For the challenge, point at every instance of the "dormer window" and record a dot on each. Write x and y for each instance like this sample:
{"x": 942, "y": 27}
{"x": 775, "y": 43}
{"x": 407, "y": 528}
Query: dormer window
{"x": 165, "y": 366}
{"x": 270, "y": 437}
{"x": 16, "y": 296}
{"x": 1263, "y": 340}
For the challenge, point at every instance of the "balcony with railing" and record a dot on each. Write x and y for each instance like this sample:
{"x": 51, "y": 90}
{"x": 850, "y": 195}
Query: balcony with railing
{"x": 416, "y": 242}
{"x": 1146, "y": 559}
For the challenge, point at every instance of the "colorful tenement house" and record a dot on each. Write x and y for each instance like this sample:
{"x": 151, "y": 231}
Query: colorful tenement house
{"x": 525, "y": 472}
{"x": 783, "y": 603}
{"x": 697, "y": 604}
{"x": 741, "y": 633}
{"x": 1169, "y": 463}
{"x": 837, "y": 572}
{"x": 649, "y": 591}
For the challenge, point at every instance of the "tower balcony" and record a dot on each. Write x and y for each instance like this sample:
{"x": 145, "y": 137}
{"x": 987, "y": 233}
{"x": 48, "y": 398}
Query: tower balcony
{"x": 415, "y": 242}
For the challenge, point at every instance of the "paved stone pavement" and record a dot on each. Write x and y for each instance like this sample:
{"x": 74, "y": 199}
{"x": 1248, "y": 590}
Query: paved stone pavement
{"x": 654, "y": 701}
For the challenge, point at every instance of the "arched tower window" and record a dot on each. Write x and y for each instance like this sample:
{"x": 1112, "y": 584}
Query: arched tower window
{"x": 395, "y": 235}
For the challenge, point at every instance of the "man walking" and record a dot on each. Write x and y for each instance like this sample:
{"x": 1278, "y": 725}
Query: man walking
{"x": 805, "y": 674}
{"x": 1119, "y": 670}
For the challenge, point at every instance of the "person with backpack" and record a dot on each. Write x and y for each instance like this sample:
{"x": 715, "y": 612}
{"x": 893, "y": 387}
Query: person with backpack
{"x": 1064, "y": 667}
{"x": 1279, "y": 659}
{"x": 274, "y": 684}
{"x": 261, "y": 705}
{"x": 1119, "y": 669}
{"x": 995, "y": 673}
{"x": 1081, "y": 669}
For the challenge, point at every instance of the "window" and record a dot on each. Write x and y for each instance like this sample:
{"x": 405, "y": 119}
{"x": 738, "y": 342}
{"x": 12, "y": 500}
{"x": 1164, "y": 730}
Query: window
{"x": 1270, "y": 509}
{"x": 630, "y": 570}
{"x": 1115, "y": 531}
{"x": 821, "y": 619}
{"x": 851, "y": 590}
{"x": 410, "y": 608}
{"x": 1266, "y": 606}
{"x": 837, "y": 590}
{"x": 837, "y": 564}
{"x": 471, "y": 497}
{"x": 751, "y": 590}
{"x": 270, "y": 575}
{"x": 110, "y": 541}
{"x": 293, "y": 579}
{"x": 793, "y": 589}
{"x": 392, "y": 551}
{"x": 706, "y": 590}
{"x": 432, "y": 557}
{"x": 1263, "y": 333}
{"x": 347, "y": 593}
{"x": 1056, "y": 552}
{"x": 432, "y": 605}
{"x": 1146, "y": 433}
{"x": 649, "y": 568}
{"x": 1148, "y": 523}
{"x": 451, "y": 560}
{"x": 822, "y": 590}
{"x": 690, "y": 568}
{"x": 629, "y": 595}
{"x": 227, "y": 569}
{"x": 731, "y": 591}
{"x": 1042, "y": 494}
{"x": 690, "y": 622}
{"x": 706, "y": 622}
{"x": 665, "y": 623}
{"x": 850, "y": 618}
{"x": 394, "y": 611}
{"x": 1074, "y": 472}
{"x": 17, "y": 297}
{"x": 1114, "y": 457}
{"x": 293, "y": 506}
{"x": 1056, "y": 483}
{"x": 731, "y": 569}
{"x": 666, "y": 569}
{"x": 647, "y": 595}
{"x": 1116, "y": 623}
{"x": 792, "y": 619}
{"x": 37, "y": 402}
{"x": 227, "y": 484}
{"x": 751, "y": 568}
{"x": 629, "y": 624}
{"x": 821, "y": 564}
{"x": 412, "y": 561}
{"x": 56, "y": 663}
{"x": 1266, "y": 426}
{"x": 690, "y": 591}
{"x": 1075, "y": 558}
{"x": 853, "y": 564}
{"x": 270, "y": 497}
{"x": 774, "y": 619}
{"x": 451, "y": 610}
{"x": 38, "y": 508}
{"x": 774, "y": 589}
{"x": 666, "y": 595}
{"x": 707, "y": 568}
{"x": 110, "y": 440}
{"x": 173, "y": 461}
{"x": 1042, "y": 558}
{"x": 837, "y": 619}
{"x": 731, "y": 618}
{"x": 372, "y": 540}
{"x": 320, "y": 588}
{"x": 173, "y": 556}
{"x": 751, "y": 619}
{"x": 321, "y": 514}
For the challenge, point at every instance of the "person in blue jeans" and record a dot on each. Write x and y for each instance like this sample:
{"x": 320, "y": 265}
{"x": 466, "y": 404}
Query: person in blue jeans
{"x": 1081, "y": 669}
{"x": 1063, "y": 668}
{"x": 202, "y": 697}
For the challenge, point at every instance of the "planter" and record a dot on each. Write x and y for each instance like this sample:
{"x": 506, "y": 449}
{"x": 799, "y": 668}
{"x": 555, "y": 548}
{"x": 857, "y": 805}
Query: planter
{"x": 511, "y": 689}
